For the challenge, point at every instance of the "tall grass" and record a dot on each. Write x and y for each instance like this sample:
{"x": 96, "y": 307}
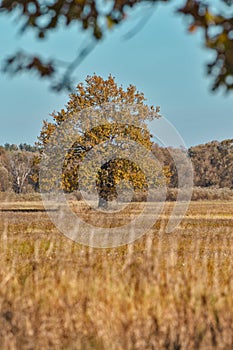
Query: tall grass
{"x": 165, "y": 291}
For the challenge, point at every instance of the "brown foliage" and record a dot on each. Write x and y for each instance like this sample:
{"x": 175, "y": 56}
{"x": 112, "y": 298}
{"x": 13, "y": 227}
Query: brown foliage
{"x": 119, "y": 128}
{"x": 212, "y": 163}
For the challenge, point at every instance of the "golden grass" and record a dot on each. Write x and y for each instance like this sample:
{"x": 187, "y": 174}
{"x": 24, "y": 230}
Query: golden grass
{"x": 164, "y": 291}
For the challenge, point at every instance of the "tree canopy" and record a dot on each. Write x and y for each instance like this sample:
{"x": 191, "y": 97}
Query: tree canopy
{"x": 122, "y": 116}
{"x": 98, "y": 18}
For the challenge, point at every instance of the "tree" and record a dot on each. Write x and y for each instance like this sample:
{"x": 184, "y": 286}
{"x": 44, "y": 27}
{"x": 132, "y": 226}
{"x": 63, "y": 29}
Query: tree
{"x": 44, "y": 17}
{"x": 5, "y": 176}
{"x": 26, "y": 147}
{"x": 19, "y": 166}
{"x": 81, "y": 110}
{"x": 212, "y": 163}
{"x": 5, "y": 182}
{"x": 10, "y": 147}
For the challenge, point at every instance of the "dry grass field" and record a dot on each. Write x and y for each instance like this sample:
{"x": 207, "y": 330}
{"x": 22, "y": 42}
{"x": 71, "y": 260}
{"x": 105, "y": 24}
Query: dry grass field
{"x": 164, "y": 291}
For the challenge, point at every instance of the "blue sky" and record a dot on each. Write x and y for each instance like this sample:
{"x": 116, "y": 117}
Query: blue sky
{"x": 162, "y": 60}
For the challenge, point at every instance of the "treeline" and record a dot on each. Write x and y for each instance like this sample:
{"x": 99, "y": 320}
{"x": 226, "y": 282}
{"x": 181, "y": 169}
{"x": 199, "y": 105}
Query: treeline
{"x": 212, "y": 165}
{"x": 19, "y": 168}
{"x": 20, "y": 147}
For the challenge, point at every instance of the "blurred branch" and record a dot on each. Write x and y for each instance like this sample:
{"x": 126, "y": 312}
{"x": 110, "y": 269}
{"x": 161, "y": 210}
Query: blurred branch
{"x": 98, "y": 18}
{"x": 218, "y": 31}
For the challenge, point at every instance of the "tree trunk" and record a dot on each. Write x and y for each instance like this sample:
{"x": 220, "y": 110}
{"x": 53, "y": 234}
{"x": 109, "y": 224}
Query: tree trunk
{"x": 103, "y": 203}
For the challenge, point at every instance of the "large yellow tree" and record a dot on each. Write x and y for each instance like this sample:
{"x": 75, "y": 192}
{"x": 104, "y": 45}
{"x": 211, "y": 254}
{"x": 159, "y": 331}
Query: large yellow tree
{"x": 124, "y": 126}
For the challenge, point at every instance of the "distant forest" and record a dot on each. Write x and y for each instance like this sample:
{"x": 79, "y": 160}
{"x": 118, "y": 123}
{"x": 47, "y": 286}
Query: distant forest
{"x": 212, "y": 164}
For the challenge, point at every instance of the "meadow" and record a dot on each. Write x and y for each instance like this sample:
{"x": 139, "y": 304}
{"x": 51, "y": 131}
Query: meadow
{"x": 164, "y": 291}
